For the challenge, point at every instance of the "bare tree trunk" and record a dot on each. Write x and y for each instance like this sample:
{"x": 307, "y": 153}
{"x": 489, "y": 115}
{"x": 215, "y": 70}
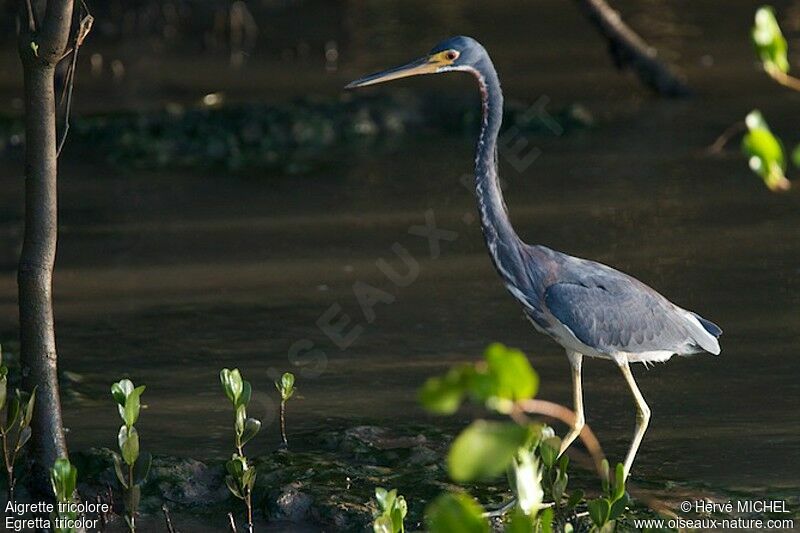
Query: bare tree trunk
{"x": 629, "y": 50}
{"x": 41, "y": 46}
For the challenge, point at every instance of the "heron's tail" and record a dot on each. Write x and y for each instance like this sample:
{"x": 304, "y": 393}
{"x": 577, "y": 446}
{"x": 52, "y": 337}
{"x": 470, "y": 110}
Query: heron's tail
{"x": 707, "y": 335}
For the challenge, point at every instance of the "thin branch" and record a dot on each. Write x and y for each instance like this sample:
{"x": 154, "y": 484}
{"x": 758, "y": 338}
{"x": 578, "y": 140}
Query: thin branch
{"x": 784, "y": 79}
{"x": 231, "y": 523}
{"x": 84, "y": 28}
{"x": 628, "y": 49}
{"x": 554, "y": 410}
{"x": 725, "y": 137}
{"x": 165, "y": 510}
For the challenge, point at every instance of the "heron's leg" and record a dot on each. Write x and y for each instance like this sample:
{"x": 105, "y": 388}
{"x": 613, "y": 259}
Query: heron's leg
{"x": 575, "y": 362}
{"x": 642, "y": 414}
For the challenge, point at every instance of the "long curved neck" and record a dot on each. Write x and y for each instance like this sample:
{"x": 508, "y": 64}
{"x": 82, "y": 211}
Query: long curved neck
{"x": 500, "y": 235}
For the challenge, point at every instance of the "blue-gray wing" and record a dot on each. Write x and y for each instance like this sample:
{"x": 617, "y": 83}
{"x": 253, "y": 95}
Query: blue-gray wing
{"x": 618, "y": 315}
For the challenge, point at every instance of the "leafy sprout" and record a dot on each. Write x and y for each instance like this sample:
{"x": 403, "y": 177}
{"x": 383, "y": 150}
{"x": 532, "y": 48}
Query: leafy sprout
{"x": 392, "y": 511}
{"x": 241, "y": 476}
{"x": 286, "y": 389}
{"x": 765, "y": 152}
{"x": 769, "y": 41}
{"x": 130, "y": 468}
{"x": 15, "y": 429}
{"x": 63, "y": 479}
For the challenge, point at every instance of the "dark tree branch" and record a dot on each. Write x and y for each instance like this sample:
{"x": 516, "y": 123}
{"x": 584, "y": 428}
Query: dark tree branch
{"x": 629, "y": 50}
{"x": 40, "y": 52}
{"x": 84, "y": 27}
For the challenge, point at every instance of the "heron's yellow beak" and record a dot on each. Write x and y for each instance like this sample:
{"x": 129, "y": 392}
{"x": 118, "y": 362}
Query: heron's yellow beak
{"x": 423, "y": 65}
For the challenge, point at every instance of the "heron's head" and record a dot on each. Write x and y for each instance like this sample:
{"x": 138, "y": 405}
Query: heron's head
{"x": 456, "y": 53}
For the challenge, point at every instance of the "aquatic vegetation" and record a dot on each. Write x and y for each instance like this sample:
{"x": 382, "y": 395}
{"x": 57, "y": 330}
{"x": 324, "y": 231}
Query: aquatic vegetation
{"x": 293, "y": 138}
{"x": 63, "y": 477}
{"x": 15, "y": 427}
{"x": 525, "y": 450}
{"x": 241, "y": 476}
{"x": 392, "y": 511}
{"x": 286, "y": 388}
{"x": 130, "y": 468}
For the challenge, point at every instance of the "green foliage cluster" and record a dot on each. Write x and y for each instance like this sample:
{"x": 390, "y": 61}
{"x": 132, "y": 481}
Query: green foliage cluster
{"x": 392, "y": 511}
{"x": 64, "y": 479}
{"x": 769, "y": 41}
{"x": 15, "y": 425}
{"x": 764, "y": 150}
{"x": 130, "y": 468}
{"x": 241, "y": 476}
{"x": 527, "y": 452}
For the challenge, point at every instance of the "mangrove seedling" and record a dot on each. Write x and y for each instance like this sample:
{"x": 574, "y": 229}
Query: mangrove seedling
{"x": 765, "y": 153}
{"x": 15, "y": 429}
{"x": 241, "y": 476}
{"x": 526, "y": 451}
{"x": 131, "y": 469}
{"x": 605, "y": 510}
{"x": 392, "y": 511}
{"x": 64, "y": 477}
{"x": 286, "y": 388}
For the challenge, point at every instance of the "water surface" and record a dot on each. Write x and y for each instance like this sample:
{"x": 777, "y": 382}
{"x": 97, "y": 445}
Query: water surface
{"x": 168, "y": 277}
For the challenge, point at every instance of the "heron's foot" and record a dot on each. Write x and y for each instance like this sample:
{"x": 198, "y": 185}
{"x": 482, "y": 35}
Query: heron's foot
{"x": 502, "y": 510}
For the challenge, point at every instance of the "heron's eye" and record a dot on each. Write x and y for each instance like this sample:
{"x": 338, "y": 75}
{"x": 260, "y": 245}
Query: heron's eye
{"x": 451, "y": 55}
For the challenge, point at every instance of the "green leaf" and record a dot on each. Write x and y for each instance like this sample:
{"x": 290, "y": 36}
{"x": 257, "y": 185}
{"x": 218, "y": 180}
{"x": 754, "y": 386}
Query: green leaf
{"x": 241, "y": 420}
{"x": 251, "y": 429}
{"x": 549, "y": 449}
{"x": 26, "y": 421}
{"x": 598, "y": 511}
{"x": 121, "y": 477}
{"x": 453, "y": 512}
{"x": 120, "y": 390}
{"x": 232, "y": 384}
{"x": 142, "y": 468}
{"x": 769, "y": 41}
{"x": 402, "y": 506}
{"x": 443, "y": 395}
{"x": 128, "y": 440}
{"x": 485, "y": 449}
{"x": 233, "y": 486}
{"x": 63, "y": 478}
{"x": 765, "y": 152}
{"x": 13, "y": 412}
{"x": 383, "y": 524}
{"x": 3, "y": 386}
{"x": 619, "y": 483}
{"x": 521, "y": 522}
{"x": 130, "y": 412}
{"x": 287, "y": 386}
{"x": 247, "y": 391}
{"x": 385, "y": 498}
{"x": 546, "y": 520}
{"x": 511, "y": 372}
{"x": 617, "y": 508}
{"x": 574, "y": 499}
{"x": 24, "y": 437}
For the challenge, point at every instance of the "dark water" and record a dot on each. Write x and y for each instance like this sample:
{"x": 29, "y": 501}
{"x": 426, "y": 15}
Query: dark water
{"x": 167, "y": 278}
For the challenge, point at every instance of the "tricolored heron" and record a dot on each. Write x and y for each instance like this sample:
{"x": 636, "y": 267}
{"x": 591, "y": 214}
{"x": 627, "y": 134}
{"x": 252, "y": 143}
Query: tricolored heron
{"x": 589, "y": 308}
